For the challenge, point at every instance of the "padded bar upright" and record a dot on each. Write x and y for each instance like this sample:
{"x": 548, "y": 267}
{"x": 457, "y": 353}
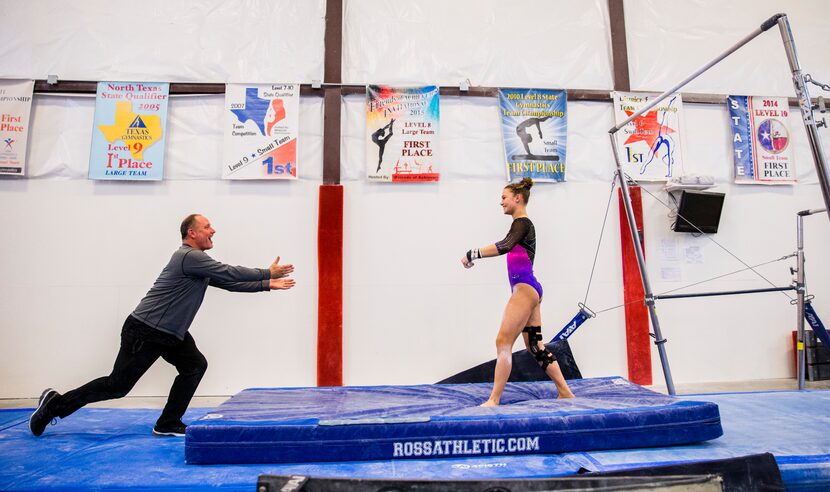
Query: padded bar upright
{"x": 779, "y": 19}
{"x": 330, "y": 286}
{"x": 806, "y": 105}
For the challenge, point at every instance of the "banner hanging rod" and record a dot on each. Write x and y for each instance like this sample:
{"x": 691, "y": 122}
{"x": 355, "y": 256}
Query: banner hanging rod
{"x": 43, "y": 86}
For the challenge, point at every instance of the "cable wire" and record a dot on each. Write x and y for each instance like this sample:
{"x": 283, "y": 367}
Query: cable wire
{"x": 601, "y": 232}
{"x": 717, "y": 243}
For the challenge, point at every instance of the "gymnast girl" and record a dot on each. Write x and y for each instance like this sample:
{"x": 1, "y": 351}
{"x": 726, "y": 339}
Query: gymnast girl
{"x": 522, "y": 314}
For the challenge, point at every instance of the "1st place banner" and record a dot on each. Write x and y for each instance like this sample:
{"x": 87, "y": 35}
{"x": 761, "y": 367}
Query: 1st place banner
{"x": 15, "y": 109}
{"x": 761, "y": 140}
{"x": 129, "y": 131}
{"x": 649, "y": 146}
{"x": 534, "y": 124}
{"x": 261, "y": 126}
{"x": 402, "y": 133}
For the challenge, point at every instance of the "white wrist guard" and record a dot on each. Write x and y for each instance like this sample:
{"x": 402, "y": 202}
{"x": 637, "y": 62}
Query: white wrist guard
{"x": 473, "y": 254}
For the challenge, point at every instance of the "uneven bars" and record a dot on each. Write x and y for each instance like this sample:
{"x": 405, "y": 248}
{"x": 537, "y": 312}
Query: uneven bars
{"x": 772, "y": 21}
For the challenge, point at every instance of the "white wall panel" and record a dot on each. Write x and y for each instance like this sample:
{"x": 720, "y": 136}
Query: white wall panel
{"x": 79, "y": 255}
{"x": 669, "y": 40}
{"x": 158, "y": 40}
{"x": 529, "y": 43}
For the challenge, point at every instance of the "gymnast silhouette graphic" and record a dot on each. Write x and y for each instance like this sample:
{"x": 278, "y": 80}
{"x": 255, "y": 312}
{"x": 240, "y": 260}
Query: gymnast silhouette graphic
{"x": 381, "y": 140}
{"x": 521, "y": 131}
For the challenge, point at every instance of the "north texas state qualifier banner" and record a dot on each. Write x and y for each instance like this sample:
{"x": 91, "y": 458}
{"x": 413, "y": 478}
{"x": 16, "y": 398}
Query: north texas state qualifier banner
{"x": 534, "y": 124}
{"x": 129, "y": 131}
{"x": 402, "y": 133}
{"x": 761, "y": 140}
{"x": 261, "y": 123}
{"x": 15, "y": 108}
{"x": 649, "y": 147}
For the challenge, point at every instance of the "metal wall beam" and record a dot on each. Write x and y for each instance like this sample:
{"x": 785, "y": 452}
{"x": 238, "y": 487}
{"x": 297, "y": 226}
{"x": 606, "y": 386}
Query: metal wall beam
{"x": 619, "y": 46}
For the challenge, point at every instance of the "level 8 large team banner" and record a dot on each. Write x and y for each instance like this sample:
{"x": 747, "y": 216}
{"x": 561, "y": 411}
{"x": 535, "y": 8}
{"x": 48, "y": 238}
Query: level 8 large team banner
{"x": 402, "y": 133}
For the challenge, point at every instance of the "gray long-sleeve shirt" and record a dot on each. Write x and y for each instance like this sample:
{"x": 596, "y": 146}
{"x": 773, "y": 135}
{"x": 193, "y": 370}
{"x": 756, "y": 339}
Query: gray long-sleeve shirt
{"x": 175, "y": 298}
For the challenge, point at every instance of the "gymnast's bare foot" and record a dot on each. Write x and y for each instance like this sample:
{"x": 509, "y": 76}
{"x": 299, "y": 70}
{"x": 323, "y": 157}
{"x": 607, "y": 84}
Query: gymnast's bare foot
{"x": 489, "y": 403}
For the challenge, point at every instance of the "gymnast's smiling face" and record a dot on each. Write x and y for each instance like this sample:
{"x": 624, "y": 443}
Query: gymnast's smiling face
{"x": 510, "y": 201}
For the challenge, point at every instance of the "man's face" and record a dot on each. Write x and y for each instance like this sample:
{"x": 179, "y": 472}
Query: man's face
{"x": 201, "y": 234}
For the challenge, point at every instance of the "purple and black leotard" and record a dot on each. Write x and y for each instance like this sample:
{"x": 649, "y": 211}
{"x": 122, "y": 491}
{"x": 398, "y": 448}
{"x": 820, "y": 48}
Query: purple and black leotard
{"x": 520, "y": 246}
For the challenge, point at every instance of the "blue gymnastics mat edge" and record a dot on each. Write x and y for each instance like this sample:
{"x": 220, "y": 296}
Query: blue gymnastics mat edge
{"x": 273, "y": 425}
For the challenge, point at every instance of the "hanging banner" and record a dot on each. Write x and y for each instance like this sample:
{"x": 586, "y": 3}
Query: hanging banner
{"x": 15, "y": 108}
{"x": 761, "y": 140}
{"x": 261, "y": 127}
{"x": 402, "y": 133}
{"x": 534, "y": 126}
{"x": 649, "y": 146}
{"x": 129, "y": 131}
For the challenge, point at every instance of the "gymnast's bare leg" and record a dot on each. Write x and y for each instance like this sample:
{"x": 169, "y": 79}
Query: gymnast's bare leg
{"x": 522, "y": 310}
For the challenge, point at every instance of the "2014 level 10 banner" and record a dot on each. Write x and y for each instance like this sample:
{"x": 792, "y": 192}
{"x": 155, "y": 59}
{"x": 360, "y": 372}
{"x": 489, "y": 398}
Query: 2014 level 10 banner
{"x": 761, "y": 140}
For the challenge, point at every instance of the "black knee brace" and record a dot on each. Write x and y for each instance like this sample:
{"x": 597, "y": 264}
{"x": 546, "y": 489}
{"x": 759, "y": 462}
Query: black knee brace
{"x": 544, "y": 357}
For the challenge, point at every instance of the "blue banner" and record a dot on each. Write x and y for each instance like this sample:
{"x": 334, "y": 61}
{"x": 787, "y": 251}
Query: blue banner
{"x": 534, "y": 125}
{"x": 741, "y": 138}
{"x": 761, "y": 140}
{"x": 129, "y": 131}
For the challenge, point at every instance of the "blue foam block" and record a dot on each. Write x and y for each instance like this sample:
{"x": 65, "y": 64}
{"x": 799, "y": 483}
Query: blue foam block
{"x": 442, "y": 421}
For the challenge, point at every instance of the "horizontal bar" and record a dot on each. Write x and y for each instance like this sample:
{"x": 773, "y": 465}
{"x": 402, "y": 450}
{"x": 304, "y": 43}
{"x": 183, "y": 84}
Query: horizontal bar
{"x": 194, "y": 88}
{"x": 812, "y": 211}
{"x": 725, "y": 293}
{"x": 656, "y": 100}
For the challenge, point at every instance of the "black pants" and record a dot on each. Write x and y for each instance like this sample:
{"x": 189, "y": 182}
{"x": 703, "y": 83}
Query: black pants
{"x": 141, "y": 346}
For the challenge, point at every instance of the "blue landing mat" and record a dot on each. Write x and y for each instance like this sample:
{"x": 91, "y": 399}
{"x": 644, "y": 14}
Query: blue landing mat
{"x": 113, "y": 449}
{"x": 357, "y": 423}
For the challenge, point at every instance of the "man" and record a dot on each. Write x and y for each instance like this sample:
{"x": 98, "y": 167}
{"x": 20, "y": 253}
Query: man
{"x": 159, "y": 328}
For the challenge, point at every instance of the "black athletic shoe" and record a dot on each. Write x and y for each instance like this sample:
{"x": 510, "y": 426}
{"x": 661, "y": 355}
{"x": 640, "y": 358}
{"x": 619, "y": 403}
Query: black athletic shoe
{"x": 42, "y": 416}
{"x": 176, "y": 429}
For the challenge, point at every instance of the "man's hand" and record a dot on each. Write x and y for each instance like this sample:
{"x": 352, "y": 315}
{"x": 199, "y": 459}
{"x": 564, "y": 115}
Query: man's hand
{"x": 279, "y": 271}
{"x": 281, "y": 283}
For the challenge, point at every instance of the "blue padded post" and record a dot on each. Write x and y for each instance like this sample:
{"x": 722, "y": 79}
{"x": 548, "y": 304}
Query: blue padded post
{"x": 815, "y": 323}
{"x": 572, "y": 325}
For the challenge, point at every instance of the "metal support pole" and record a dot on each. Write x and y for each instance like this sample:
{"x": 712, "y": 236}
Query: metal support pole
{"x": 800, "y": 293}
{"x": 806, "y": 105}
{"x": 801, "y": 290}
{"x": 638, "y": 250}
